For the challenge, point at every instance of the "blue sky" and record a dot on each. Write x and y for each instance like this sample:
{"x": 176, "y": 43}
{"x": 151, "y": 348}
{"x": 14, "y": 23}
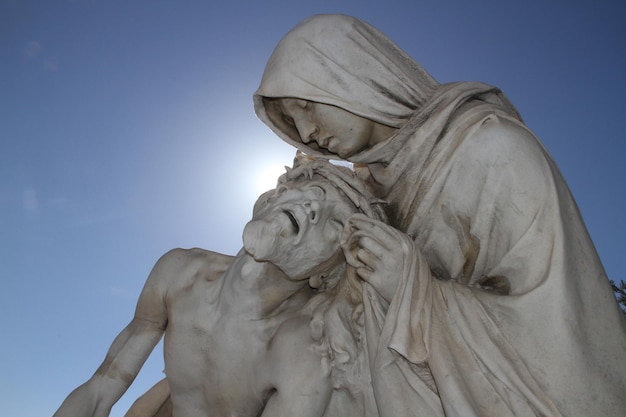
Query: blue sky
{"x": 127, "y": 128}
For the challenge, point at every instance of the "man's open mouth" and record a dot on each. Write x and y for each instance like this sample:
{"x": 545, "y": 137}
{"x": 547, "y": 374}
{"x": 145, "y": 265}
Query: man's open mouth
{"x": 293, "y": 220}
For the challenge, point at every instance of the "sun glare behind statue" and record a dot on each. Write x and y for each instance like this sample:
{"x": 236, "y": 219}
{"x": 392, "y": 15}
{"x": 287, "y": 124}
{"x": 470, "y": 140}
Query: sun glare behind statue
{"x": 268, "y": 176}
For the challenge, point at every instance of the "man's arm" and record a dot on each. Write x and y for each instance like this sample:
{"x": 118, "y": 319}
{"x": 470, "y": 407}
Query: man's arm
{"x": 156, "y": 402}
{"x": 129, "y": 350}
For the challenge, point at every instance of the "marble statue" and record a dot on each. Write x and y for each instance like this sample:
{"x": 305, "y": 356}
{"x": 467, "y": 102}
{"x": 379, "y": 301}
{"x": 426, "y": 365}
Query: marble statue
{"x": 272, "y": 331}
{"x": 486, "y": 294}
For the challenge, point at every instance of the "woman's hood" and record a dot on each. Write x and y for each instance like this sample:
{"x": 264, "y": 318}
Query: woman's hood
{"x": 345, "y": 62}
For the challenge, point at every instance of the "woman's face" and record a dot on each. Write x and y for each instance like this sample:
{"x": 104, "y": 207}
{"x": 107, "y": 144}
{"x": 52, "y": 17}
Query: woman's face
{"x": 330, "y": 128}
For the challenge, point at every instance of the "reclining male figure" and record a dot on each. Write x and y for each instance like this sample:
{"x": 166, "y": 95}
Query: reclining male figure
{"x": 236, "y": 340}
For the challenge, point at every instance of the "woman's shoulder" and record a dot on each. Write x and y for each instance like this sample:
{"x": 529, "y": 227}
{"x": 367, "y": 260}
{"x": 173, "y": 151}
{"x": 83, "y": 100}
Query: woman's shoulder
{"x": 506, "y": 155}
{"x": 500, "y": 140}
{"x": 501, "y": 132}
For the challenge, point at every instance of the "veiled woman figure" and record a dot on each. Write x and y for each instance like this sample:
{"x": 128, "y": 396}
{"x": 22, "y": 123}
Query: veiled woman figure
{"x": 487, "y": 297}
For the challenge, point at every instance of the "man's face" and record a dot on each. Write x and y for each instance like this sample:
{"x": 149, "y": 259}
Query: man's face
{"x": 297, "y": 228}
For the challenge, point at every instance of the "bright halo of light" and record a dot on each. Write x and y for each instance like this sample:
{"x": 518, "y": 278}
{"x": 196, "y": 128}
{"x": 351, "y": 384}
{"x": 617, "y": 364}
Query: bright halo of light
{"x": 268, "y": 176}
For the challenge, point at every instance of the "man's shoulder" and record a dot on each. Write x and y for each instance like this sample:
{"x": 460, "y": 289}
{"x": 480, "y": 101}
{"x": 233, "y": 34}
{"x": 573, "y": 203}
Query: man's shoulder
{"x": 195, "y": 254}
{"x": 180, "y": 267}
{"x": 198, "y": 262}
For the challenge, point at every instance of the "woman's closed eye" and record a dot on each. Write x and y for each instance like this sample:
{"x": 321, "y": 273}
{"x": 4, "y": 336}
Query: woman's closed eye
{"x": 304, "y": 104}
{"x": 289, "y": 120}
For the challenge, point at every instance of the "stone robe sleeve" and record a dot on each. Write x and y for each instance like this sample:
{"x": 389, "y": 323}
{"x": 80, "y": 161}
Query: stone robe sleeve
{"x": 504, "y": 298}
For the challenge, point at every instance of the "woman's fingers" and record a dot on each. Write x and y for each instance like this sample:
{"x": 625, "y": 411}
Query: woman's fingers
{"x": 364, "y": 273}
{"x": 377, "y": 252}
{"x": 368, "y": 243}
{"x": 350, "y": 245}
{"x": 385, "y": 235}
{"x": 367, "y": 258}
{"x": 373, "y": 246}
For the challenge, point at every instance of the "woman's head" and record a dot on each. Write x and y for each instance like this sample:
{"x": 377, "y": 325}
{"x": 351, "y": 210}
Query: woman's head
{"x": 341, "y": 61}
{"x": 325, "y": 128}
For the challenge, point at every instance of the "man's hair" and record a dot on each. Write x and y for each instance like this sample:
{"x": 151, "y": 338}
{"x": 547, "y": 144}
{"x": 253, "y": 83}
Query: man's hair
{"x": 336, "y": 311}
{"x": 341, "y": 178}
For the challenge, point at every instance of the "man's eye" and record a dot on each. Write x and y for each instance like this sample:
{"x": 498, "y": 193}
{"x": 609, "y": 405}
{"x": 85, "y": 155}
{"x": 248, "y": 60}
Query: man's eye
{"x": 319, "y": 191}
{"x": 337, "y": 223}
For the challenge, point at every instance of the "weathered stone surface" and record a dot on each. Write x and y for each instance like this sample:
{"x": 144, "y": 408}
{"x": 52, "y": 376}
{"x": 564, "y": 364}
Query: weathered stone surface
{"x": 498, "y": 303}
{"x": 449, "y": 274}
{"x": 273, "y": 330}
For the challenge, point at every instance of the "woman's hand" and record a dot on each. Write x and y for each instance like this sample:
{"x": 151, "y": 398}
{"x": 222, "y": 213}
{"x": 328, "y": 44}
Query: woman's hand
{"x": 377, "y": 251}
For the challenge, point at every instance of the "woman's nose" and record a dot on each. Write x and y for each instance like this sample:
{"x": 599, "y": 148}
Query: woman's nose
{"x": 308, "y": 131}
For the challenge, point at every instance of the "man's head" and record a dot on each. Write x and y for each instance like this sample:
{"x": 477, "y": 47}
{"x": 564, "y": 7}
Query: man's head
{"x": 298, "y": 225}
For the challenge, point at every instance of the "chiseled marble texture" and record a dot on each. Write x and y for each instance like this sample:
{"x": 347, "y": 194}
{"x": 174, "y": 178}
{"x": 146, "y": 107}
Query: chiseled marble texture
{"x": 500, "y": 305}
{"x": 448, "y": 274}
{"x": 272, "y": 331}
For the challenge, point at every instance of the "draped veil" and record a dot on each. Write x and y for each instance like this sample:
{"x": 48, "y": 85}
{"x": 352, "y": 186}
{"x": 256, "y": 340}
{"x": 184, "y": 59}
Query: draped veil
{"x": 503, "y": 307}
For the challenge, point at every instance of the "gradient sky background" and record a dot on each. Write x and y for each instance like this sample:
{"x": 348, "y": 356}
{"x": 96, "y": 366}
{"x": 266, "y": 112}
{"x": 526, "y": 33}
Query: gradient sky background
{"x": 127, "y": 128}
